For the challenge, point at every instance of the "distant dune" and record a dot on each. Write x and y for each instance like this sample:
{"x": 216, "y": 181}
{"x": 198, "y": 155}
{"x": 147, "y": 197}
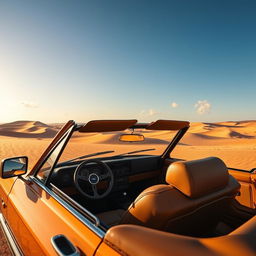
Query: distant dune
{"x": 234, "y": 142}
{"x": 221, "y": 133}
{"x": 27, "y": 129}
{"x": 244, "y": 129}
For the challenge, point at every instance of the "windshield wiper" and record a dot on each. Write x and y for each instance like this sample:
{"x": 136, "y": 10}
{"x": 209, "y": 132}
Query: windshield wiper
{"x": 89, "y": 155}
{"x": 137, "y": 151}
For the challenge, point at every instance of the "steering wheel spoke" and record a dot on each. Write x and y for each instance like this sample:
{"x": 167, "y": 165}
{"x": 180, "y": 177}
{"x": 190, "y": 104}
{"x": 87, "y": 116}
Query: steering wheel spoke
{"x": 104, "y": 176}
{"x": 95, "y": 190}
{"x": 82, "y": 177}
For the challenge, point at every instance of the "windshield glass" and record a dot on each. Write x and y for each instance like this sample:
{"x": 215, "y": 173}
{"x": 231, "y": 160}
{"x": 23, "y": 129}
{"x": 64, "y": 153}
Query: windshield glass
{"x": 107, "y": 144}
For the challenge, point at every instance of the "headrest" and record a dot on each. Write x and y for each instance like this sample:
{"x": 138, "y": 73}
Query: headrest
{"x": 198, "y": 177}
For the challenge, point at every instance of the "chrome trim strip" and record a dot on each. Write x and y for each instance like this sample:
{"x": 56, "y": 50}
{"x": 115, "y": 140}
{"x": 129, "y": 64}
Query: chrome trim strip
{"x": 96, "y": 219}
{"x": 10, "y": 238}
{"x": 78, "y": 215}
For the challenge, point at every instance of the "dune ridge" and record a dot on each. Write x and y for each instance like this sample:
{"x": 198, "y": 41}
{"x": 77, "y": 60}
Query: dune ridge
{"x": 242, "y": 129}
{"x": 27, "y": 129}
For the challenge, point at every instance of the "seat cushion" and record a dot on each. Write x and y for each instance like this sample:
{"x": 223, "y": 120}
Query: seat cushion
{"x": 156, "y": 205}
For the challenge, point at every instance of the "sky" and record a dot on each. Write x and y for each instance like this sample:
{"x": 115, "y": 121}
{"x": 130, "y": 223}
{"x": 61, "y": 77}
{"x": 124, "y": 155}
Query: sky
{"x": 82, "y": 60}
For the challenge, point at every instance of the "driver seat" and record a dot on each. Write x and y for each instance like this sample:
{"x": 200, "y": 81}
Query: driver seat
{"x": 192, "y": 202}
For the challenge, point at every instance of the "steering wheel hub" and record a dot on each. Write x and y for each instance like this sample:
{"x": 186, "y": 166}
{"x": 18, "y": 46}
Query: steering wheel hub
{"x": 94, "y": 178}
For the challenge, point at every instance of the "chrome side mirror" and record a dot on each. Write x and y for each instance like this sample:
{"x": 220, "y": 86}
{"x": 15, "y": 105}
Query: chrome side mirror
{"x": 12, "y": 167}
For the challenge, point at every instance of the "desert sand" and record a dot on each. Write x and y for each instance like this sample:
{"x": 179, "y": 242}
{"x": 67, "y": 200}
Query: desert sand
{"x": 234, "y": 142}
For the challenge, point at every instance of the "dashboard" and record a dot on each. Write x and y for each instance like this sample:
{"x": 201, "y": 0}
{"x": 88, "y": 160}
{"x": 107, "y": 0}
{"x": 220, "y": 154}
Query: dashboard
{"x": 126, "y": 170}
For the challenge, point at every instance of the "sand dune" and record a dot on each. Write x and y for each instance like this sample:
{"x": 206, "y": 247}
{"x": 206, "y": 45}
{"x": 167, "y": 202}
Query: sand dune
{"x": 27, "y": 129}
{"x": 245, "y": 129}
{"x": 234, "y": 142}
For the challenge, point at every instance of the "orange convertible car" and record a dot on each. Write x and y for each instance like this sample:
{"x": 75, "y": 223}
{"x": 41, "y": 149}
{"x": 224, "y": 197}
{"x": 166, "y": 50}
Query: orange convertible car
{"x": 111, "y": 187}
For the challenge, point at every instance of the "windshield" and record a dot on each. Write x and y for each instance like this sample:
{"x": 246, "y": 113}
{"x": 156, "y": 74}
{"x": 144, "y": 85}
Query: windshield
{"x": 107, "y": 144}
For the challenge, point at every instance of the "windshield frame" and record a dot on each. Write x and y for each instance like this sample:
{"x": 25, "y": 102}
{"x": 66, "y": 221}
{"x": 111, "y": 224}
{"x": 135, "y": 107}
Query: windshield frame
{"x": 170, "y": 125}
{"x": 72, "y": 127}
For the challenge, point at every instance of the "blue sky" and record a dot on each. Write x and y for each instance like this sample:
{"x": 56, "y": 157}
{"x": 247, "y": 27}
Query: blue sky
{"x": 185, "y": 59}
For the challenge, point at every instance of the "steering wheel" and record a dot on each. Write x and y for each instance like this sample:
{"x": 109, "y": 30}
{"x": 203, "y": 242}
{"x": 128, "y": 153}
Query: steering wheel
{"x": 88, "y": 177}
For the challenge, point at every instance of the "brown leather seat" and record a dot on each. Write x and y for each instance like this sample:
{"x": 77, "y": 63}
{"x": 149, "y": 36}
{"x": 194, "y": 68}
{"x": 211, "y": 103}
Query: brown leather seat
{"x": 197, "y": 195}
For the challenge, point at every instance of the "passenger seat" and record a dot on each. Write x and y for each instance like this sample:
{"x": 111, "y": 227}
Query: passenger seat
{"x": 192, "y": 202}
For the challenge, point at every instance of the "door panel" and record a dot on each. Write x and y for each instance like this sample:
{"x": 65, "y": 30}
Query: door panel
{"x": 247, "y": 196}
{"x": 35, "y": 217}
{"x": 5, "y": 188}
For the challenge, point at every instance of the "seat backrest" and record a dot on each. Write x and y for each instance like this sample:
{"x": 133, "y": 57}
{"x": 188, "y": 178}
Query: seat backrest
{"x": 197, "y": 194}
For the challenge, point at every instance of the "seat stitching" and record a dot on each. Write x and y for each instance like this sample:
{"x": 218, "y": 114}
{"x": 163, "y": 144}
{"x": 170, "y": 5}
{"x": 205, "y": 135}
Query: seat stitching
{"x": 113, "y": 246}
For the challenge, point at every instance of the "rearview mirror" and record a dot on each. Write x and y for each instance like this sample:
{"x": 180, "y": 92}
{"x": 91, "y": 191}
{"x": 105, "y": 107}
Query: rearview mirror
{"x": 131, "y": 137}
{"x": 15, "y": 166}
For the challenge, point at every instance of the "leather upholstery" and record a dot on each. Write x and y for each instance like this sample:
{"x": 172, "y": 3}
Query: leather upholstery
{"x": 198, "y": 177}
{"x": 166, "y": 208}
{"x": 137, "y": 241}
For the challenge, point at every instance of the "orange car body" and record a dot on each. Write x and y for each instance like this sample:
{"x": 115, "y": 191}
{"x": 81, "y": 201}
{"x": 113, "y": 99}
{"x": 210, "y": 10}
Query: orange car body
{"x": 32, "y": 214}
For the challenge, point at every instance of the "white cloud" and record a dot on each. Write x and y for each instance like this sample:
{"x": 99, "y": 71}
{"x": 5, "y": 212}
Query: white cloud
{"x": 27, "y": 104}
{"x": 174, "y": 105}
{"x": 202, "y": 107}
{"x": 150, "y": 112}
